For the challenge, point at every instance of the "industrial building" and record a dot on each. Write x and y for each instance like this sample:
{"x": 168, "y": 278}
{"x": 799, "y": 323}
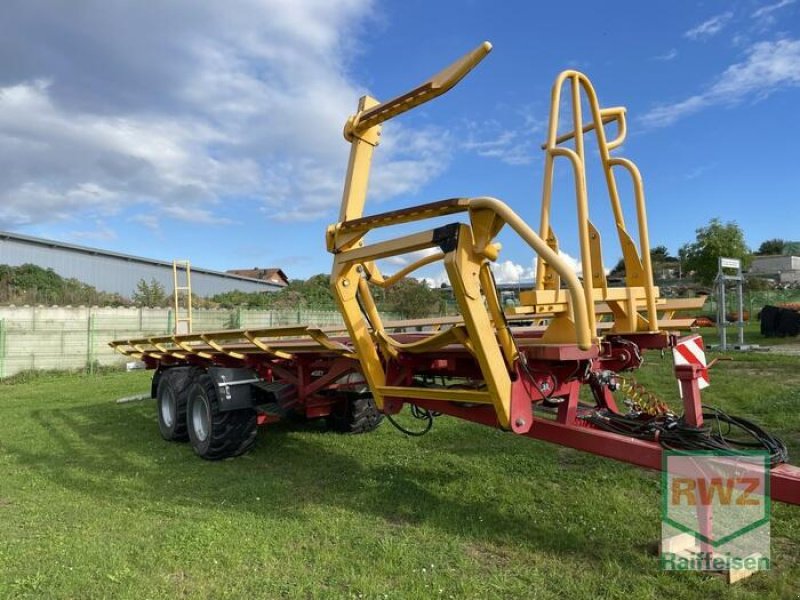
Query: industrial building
{"x": 116, "y": 273}
{"x": 784, "y": 268}
{"x": 273, "y": 275}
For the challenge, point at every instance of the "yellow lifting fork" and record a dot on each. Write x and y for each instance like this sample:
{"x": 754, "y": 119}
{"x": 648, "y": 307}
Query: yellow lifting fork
{"x": 626, "y": 303}
{"x": 466, "y": 251}
{"x": 485, "y": 360}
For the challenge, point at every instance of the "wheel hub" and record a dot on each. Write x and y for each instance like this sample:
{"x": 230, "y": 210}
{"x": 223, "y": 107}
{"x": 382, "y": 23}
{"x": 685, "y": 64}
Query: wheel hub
{"x": 200, "y": 419}
{"x": 167, "y": 407}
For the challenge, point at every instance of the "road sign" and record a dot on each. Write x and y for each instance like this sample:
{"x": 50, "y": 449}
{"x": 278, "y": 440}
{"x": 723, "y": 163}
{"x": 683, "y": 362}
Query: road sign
{"x": 730, "y": 263}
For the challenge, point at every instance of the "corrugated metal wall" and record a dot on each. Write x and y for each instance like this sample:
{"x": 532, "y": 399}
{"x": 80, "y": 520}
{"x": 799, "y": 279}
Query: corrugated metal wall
{"x": 118, "y": 273}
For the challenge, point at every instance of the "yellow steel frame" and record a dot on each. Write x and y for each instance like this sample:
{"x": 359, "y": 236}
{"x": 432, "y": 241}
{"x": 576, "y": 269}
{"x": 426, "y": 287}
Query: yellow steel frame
{"x": 465, "y": 255}
{"x": 640, "y": 292}
{"x": 569, "y": 310}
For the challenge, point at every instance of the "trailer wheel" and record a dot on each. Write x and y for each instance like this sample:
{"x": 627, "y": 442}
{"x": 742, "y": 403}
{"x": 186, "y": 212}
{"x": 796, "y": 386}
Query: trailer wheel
{"x": 171, "y": 396}
{"x": 355, "y": 415}
{"x": 215, "y": 434}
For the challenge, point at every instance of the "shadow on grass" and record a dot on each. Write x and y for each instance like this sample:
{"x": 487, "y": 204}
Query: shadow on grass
{"x": 113, "y": 455}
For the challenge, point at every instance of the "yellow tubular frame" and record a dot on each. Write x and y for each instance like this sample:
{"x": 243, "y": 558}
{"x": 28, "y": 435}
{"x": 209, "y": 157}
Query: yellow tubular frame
{"x": 487, "y": 338}
{"x": 466, "y": 251}
{"x": 465, "y": 258}
{"x": 470, "y": 248}
{"x": 637, "y": 264}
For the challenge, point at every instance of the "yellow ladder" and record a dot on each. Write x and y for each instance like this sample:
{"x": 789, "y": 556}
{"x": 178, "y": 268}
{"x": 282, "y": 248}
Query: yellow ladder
{"x": 182, "y": 296}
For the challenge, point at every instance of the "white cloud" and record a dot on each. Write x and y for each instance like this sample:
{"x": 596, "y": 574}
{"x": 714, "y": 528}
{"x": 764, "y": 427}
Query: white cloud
{"x": 514, "y": 145}
{"x": 436, "y": 281}
{"x": 507, "y": 146}
{"x": 150, "y": 221}
{"x": 768, "y": 67}
{"x": 699, "y": 170}
{"x": 75, "y": 162}
{"x": 411, "y": 257}
{"x": 196, "y": 215}
{"x": 170, "y": 109}
{"x": 510, "y": 272}
{"x": 768, "y": 9}
{"x": 101, "y": 233}
{"x": 671, "y": 54}
{"x": 406, "y": 160}
{"x": 710, "y": 27}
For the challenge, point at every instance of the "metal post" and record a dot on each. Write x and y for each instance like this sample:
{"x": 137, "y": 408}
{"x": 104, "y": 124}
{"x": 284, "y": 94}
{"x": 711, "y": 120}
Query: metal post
{"x": 90, "y": 343}
{"x": 722, "y": 319}
{"x": 169, "y": 322}
{"x": 741, "y": 311}
{"x": 2, "y": 348}
{"x": 722, "y": 281}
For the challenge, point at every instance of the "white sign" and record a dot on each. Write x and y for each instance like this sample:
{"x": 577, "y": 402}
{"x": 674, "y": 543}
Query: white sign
{"x": 730, "y": 263}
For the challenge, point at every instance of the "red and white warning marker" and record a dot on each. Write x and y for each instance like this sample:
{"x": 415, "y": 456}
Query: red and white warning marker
{"x": 691, "y": 351}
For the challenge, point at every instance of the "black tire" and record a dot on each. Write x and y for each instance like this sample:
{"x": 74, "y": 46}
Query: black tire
{"x": 214, "y": 434}
{"x": 788, "y": 323}
{"x": 770, "y": 315}
{"x": 171, "y": 397}
{"x": 355, "y": 415}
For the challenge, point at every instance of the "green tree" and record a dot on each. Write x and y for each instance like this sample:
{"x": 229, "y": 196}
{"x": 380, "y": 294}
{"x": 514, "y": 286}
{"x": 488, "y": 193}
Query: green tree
{"x": 713, "y": 241}
{"x": 412, "y": 299}
{"x": 31, "y": 283}
{"x": 659, "y": 256}
{"x": 149, "y": 294}
{"x": 757, "y": 284}
{"x": 312, "y": 292}
{"x": 773, "y": 246}
{"x": 315, "y": 291}
{"x": 236, "y": 298}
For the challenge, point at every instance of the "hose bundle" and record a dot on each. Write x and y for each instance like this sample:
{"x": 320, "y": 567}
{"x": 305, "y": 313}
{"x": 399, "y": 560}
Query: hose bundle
{"x": 721, "y": 433}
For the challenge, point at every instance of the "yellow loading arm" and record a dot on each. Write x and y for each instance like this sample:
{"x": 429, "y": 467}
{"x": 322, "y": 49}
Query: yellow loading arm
{"x": 568, "y": 312}
{"x": 465, "y": 249}
{"x": 634, "y": 307}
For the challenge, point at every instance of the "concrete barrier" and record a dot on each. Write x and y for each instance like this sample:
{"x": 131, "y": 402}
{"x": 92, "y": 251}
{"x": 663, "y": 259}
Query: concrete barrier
{"x": 76, "y": 337}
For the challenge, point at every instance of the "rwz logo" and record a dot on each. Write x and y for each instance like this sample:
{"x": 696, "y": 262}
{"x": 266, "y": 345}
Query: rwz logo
{"x": 726, "y": 491}
{"x": 717, "y": 506}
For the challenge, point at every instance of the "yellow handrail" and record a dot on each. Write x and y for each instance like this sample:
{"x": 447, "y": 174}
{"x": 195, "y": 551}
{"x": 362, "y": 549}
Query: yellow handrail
{"x": 576, "y": 290}
{"x": 578, "y": 84}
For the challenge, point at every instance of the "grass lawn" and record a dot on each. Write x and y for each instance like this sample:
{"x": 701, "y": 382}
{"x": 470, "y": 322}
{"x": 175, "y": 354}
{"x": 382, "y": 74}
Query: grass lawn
{"x": 752, "y": 335}
{"x": 93, "y": 504}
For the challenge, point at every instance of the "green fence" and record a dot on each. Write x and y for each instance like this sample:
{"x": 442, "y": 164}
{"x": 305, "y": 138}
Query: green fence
{"x": 41, "y": 337}
{"x": 754, "y": 301}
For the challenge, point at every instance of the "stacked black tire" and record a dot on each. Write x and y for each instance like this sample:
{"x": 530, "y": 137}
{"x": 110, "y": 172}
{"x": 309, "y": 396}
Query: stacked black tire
{"x": 188, "y": 410}
{"x": 171, "y": 395}
{"x": 357, "y": 415}
{"x": 779, "y": 322}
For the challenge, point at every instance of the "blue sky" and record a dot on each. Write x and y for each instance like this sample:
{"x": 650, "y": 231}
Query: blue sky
{"x": 212, "y": 131}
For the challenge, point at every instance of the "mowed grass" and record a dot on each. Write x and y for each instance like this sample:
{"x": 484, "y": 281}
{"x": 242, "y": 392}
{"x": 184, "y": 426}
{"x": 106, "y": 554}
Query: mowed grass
{"x": 93, "y": 504}
{"x": 752, "y": 335}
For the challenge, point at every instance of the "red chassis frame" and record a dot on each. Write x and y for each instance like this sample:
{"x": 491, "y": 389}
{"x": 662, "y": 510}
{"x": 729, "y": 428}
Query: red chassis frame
{"x": 544, "y": 372}
{"x": 566, "y": 427}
